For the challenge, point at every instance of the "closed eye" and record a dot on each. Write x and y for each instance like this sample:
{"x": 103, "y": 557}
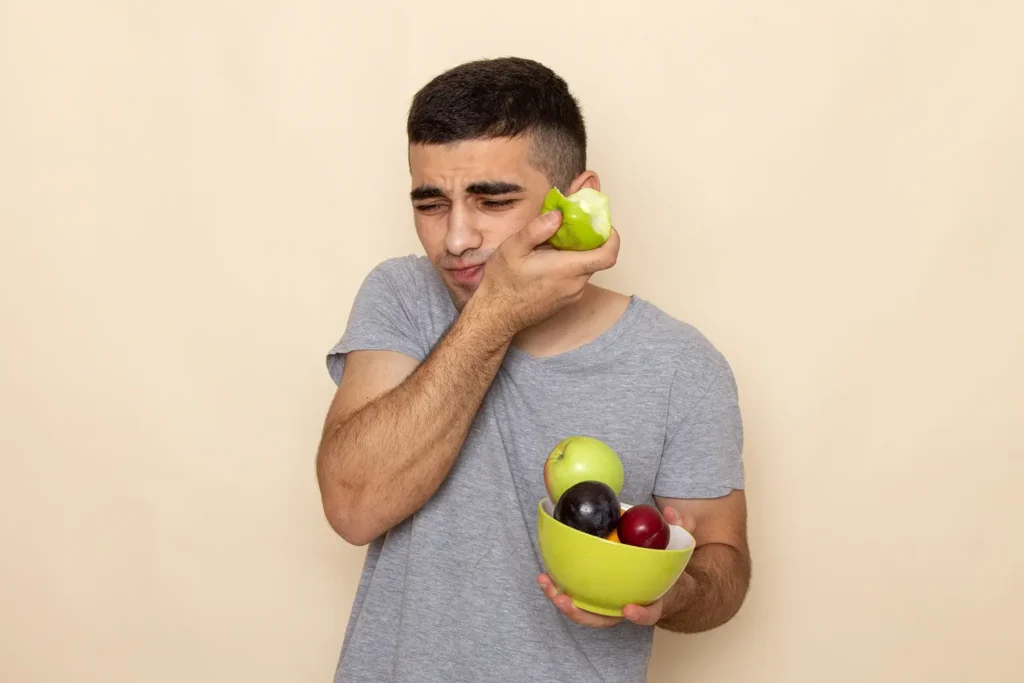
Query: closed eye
{"x": 428, "y": 208}
{"x": 499, "y": 203}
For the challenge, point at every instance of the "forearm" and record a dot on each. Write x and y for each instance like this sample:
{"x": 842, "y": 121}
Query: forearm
{"x": 710, "y": 591}
{"x": 383, "y": 462}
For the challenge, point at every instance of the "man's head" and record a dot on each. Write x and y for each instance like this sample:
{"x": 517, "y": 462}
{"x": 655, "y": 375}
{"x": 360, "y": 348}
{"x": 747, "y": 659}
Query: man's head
{"x": 487, "y": 140}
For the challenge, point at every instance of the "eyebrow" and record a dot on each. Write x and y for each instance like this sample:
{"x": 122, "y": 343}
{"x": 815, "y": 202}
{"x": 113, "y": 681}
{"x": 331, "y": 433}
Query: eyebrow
{"x": 493, "y": 187}
{"x": 426, "y": 192}
{"x": 481, "y": 187}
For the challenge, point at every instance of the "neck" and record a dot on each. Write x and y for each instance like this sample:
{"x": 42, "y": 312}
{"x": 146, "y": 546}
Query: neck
{"x": 575, "y": 325}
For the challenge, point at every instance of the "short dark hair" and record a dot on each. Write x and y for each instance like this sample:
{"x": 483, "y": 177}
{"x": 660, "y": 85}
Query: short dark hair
{"x": 504, "y": 97}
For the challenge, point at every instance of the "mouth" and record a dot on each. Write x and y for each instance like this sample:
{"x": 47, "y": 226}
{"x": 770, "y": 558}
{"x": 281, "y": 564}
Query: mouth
{"x": 467, "y": 275}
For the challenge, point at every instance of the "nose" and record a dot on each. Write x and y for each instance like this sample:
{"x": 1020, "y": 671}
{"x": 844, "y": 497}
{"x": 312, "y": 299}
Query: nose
{"x": 463, "y": 232}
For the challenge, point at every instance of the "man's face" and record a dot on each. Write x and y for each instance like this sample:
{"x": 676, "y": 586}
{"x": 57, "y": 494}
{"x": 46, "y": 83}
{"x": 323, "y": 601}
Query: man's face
{"x": 467, "y": 198}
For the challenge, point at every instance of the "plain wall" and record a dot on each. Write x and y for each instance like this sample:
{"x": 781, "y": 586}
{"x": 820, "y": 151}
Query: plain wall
{"x": 191, "y": 192}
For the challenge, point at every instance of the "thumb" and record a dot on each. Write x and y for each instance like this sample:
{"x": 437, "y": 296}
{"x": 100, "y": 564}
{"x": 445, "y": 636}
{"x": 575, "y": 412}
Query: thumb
{"x": 538, "y": 231}
{"x": 673, "y": 516}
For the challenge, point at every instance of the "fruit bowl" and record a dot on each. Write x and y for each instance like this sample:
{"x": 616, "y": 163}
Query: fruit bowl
{"x": 603, "y": 576}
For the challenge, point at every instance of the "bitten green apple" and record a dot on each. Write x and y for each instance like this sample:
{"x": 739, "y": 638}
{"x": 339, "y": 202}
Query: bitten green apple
{"x": 581, "y": 458}
{"x": 586, "y": 219}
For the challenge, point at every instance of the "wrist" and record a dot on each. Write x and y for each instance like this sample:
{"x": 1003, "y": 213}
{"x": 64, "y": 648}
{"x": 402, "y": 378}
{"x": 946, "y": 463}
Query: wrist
{"x": 481, "y": 319}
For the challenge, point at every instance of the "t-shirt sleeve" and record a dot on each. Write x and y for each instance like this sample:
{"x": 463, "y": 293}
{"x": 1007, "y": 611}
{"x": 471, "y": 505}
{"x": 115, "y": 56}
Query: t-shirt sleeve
{"x": 380, "y": 319}
{"x": 703, "y": 455}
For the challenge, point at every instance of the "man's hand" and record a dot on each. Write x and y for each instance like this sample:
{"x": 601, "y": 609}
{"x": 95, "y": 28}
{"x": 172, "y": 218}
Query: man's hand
{"x": 643, "y": 615}
{"x": 715, "y": 582}
{"x": 525, "y": 284}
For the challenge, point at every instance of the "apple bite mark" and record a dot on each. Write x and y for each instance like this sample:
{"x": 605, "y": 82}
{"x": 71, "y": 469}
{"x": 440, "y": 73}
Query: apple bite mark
{"x": 595, "y": 205}
{"x": 586, "y": 219}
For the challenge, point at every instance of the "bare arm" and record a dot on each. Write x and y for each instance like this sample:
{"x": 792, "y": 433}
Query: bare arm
{"x": 394, "y": 429}
{"x": 714, "y": 585}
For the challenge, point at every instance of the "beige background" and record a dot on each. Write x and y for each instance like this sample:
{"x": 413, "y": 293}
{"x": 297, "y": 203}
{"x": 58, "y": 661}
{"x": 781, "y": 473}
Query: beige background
{"x": 191, "y": 192}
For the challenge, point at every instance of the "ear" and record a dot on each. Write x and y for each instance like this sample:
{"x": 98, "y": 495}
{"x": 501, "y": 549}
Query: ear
{"x": 586, "y": 179}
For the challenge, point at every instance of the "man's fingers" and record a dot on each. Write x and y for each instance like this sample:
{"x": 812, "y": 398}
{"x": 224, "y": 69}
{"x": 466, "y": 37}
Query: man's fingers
{"x": 674, "y": 517}
{"x": 564, "y": 603}
{"x": 583, "y": 617}
{"x": 645, "y": 616}
{"x": 671, "y": 516}
{"x": 601, "y": 258}
{"x": 538, "y": 231}
{"x": 548, "y": 586}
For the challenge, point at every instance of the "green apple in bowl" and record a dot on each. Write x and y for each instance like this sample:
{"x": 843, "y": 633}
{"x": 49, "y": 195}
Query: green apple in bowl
{"x": 580, "y": 458}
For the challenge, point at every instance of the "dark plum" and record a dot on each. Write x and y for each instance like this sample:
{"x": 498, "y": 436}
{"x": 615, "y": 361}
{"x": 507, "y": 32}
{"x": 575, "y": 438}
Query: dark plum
{"x": 589, "y": 506}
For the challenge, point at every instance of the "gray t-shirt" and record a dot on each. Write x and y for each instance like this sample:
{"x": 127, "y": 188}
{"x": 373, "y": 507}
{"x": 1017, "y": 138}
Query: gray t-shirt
{"x": 451, "y": 595}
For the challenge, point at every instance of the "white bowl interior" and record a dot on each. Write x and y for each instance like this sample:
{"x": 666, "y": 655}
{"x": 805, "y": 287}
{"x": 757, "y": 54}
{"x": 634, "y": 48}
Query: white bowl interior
{"x": 680, "y": 538}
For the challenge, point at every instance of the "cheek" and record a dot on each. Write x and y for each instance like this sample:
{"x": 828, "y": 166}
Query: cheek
{"x": 431, "y": 233}
{"x": 502, "y": 225}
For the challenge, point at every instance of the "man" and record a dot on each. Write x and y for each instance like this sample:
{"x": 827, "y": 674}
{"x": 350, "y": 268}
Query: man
{"x": 459, "y": 372}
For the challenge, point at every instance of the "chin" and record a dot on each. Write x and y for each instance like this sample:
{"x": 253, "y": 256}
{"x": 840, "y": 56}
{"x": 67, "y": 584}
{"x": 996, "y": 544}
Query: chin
{"x": 460, "y": 294}
{"x": 460, "y": 297}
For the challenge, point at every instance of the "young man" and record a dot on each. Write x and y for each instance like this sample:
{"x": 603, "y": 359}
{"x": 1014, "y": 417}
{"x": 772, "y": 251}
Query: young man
{"x": 460, "y": 371}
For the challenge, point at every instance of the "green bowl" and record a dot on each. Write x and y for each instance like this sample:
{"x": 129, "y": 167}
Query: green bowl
{"x": 603, "y": 576}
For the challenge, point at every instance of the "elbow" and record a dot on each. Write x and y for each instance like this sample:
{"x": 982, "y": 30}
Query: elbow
{"x": 341, "y": 503}
{"x": 353, "y": 535}
{"x": 345, "y": 504}
{"x": 351, "y": 524}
